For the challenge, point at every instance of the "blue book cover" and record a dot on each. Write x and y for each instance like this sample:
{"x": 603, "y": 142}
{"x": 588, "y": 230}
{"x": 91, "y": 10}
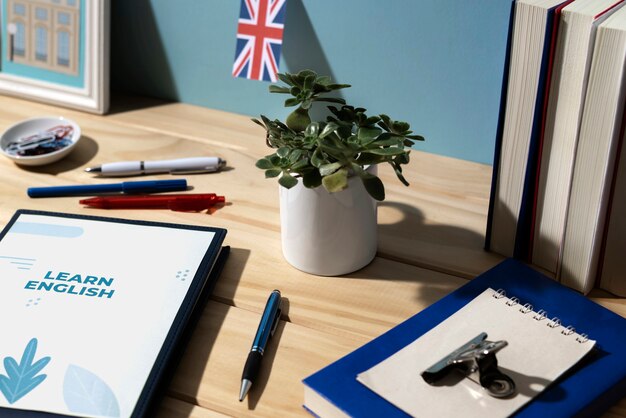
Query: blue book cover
{"x": 587, "y": 389}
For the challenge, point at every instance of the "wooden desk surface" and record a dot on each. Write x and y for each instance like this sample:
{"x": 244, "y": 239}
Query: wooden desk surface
{"x": 430, "y": 242}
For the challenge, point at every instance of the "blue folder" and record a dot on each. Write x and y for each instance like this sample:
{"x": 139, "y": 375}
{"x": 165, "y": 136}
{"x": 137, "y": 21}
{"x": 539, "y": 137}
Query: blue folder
{"x": 587, "y": 389}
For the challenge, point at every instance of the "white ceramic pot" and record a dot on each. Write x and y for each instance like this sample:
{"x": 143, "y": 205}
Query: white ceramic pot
{"x": 328, "y": 234}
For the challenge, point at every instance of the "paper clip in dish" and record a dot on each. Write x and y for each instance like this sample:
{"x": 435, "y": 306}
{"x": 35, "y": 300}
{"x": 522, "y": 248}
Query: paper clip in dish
{"x": 477, "y": 361}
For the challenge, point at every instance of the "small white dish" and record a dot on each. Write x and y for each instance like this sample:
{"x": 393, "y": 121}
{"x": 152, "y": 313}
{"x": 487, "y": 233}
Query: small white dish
{"x": 37, "y": 142}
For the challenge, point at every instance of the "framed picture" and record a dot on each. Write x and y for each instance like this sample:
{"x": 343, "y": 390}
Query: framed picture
{"x": 56, "y": 51}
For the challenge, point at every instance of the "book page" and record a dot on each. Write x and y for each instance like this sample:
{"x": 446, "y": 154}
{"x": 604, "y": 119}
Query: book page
{"x": 86, "y": 308}
{"x": 536, "y": 355}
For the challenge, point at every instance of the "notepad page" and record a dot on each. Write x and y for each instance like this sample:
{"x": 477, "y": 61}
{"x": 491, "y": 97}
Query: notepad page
{"x": 536, "y": 355}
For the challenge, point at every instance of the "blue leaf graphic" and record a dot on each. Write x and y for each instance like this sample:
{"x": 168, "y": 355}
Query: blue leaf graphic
{"x": 22, "y": 378}
{"x": 86, "y": 393}
{"x": 11, "y": 367}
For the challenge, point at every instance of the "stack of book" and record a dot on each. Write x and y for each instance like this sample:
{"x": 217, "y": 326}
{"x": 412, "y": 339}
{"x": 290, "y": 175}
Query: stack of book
{"x": 558, "y": 184}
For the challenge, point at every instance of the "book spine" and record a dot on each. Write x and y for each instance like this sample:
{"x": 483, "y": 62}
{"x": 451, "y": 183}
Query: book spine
{"x": 500, "y": 129}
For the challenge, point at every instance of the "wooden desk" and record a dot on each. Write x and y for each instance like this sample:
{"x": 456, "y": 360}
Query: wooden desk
{"x": 431, "y": 239}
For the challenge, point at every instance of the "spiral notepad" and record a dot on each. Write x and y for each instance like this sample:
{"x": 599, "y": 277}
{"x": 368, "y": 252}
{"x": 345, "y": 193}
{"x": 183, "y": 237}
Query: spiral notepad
{"x": 540, "y": 349}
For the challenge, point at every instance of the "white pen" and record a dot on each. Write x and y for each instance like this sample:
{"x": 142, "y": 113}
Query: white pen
{"x": 179, "y": 166}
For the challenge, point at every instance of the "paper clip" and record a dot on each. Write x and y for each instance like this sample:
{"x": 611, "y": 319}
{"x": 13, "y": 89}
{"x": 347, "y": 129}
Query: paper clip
{"x": 477, "y": 361}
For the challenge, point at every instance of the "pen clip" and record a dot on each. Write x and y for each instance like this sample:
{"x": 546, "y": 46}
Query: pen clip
{"x": 182, "y": 171}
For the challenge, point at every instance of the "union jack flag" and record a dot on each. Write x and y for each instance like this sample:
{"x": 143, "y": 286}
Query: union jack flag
{"x": 259, "y": 39}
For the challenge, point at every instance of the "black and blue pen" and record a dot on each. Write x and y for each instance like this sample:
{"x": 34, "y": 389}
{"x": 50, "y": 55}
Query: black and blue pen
{"x": 267, "y": 326}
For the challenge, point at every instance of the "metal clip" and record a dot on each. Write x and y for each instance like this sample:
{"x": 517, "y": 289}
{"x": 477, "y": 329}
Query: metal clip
{"x": 477, "y": 361}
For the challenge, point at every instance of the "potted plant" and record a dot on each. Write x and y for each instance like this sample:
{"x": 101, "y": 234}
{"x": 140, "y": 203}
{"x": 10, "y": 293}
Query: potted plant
{"x": 328, "y": 173}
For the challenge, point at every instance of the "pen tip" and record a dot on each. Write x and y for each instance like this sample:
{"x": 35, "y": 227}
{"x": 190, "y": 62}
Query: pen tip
{"x": 245, "y": 387}
{"x": 93, "y": 169}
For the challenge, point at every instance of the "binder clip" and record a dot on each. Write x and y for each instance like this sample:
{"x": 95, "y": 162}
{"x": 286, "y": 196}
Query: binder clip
{"x": 477, "y": 361}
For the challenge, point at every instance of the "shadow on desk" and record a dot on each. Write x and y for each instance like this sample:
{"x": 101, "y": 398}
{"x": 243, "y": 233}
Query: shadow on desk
{"x": 412, "y": 226}
{"x": 406, "y": 235}
{"x": 187, "y": 377}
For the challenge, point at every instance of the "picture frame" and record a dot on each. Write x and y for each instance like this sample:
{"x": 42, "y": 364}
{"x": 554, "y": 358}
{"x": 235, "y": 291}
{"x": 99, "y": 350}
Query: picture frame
{"x": 56, "y": 51}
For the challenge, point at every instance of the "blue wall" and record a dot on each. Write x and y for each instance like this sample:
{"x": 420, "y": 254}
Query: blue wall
{"x": 435, "y": 64}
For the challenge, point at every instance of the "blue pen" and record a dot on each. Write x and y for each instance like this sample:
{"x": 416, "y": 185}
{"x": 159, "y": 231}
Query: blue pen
{"x": 267, "y": 326}
{"x": 154, "y": 186}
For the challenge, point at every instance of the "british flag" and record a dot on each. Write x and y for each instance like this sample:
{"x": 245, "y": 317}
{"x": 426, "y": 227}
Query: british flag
{"x": 259, "y": 39}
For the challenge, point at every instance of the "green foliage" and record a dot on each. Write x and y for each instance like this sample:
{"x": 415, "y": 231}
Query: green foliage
{"x": 328, "y": 152}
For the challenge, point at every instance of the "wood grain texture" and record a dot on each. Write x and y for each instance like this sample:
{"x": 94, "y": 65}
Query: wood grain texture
{"x": 430, "y": 242}
{"x": 210, "y": 371}
{"x": 174, "y": 408}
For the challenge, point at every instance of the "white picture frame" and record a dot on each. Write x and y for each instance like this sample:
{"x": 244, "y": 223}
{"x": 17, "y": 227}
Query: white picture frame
{"x": 37, "y": 64}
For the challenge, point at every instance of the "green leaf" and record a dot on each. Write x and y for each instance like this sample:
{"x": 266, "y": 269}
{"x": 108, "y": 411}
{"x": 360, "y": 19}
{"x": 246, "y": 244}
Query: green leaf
{"x": 274, "y": 159}
{"x": 398, "y": 171}
{"x": 306, "y": 73}
{"x": 323, "y": 80}
{"x": 400, "y": 126}
{"x": 258, "y": 122}
{"x": 394, "y": 140}
{"x": 300, "y": 165}
{"x": 337, "y": 181}
{"x": 386, "y": 151}
{"x": 369, "y": 159}
{"x": 374, "y": 187}
{"x": 295, "y": 155}
{"x": 338, "y": 86}
{"x": 309, "y": 80}
{"x": 282, "y": 152}
{"x": 317, "y": 159}
{"x": 328, "y": 169}
{"x": 328, "y": 129}
{"x": 264, "y": 164}
{"x": 385, "y": 122}
{"x": 312, "y": 129}
{"x": 287, "y": 180}
{"x": 285, "y": 78}
{"x": 279, "y": 89}
{"x": 330, "y": 100}
{"x": 331, "y": 148}
{"x": 311, "y": 179}
{"x": 292, "y": 102}
{"x": 402, "y": 159}
{"x": 416, "y": 137}
{"x": 274, "y": 172}
{"x": 295, "y": 91}
{"x": 372, "y": 120}
{"x": 367, "y": 135}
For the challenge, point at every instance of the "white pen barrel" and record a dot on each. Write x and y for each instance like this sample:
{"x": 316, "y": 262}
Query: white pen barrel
{"x": 122, "y": 168}
{"x": 182, "y": 165}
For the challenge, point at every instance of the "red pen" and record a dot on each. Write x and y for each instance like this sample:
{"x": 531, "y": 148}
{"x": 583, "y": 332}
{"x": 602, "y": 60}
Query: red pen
{"x": 178, "y": 202}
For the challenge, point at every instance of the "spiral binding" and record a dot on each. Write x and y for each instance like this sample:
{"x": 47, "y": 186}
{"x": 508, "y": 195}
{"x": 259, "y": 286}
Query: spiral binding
{"x": 540, "y": 316}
